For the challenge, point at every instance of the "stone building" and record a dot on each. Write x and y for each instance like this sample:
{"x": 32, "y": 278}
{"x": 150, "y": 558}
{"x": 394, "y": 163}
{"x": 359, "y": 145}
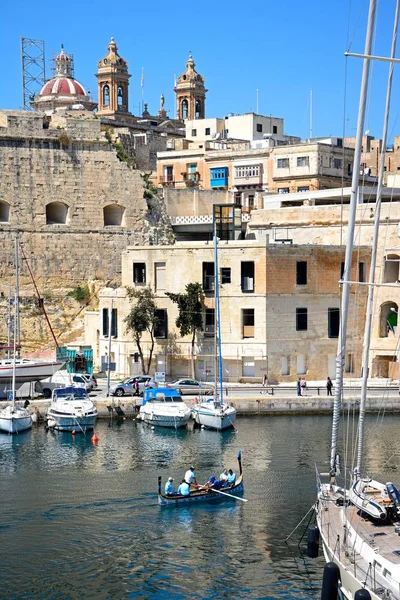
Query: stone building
{"x": 72, "y": 194}
{"x": 279, "y": 306}
{"x": 190, "y": 94}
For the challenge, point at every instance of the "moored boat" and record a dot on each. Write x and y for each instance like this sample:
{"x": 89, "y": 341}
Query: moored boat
{"x": 164, "y": 407}
{"x": 204, "y": 495}
{"x": 14, "y": 419}
{"x": 71, "y": 409}
{"x": 27, "y": 370}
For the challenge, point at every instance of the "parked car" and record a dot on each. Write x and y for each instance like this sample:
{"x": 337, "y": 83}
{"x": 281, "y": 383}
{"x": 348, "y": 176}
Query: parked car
{"x": 59, "y": 380}
{"x": 127, "y": 388}
{"x": 91, "y": 378}
{"x": 191, "y": 386}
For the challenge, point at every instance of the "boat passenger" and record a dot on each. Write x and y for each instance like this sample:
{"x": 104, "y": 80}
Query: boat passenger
{"x": 213, "y": 482}
{"x": 224, "y": 476}
{"x": 231, "y": 479}
{"x": 190, "y": 477}
{"x": 169, "y": 488}
{"x": 183, "y": 489}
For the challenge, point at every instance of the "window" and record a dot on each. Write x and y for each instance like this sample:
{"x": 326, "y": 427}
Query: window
{"x": 337, "y": 163}
{"x": 106, "y": 95}
{"x": 259, "y": 127}
{"x": 282, "y": 163}
{"x": 301, "y": 319}
{"x": 285, "y": 366}
{"x": 341, "y": 270}
{"x": 303, "y": 188}
{"x": 250, "y": 202}
{"x": 184, "y": 110}
{"x": 361, "y": 272}
{"x": 56, "y": 213}
{"x": 120, "y": 96}
{"x": 349, "y": 366}
{"x": 191, "y": 171}
{"x": 238, "y": 198}
{"x": 198, "y": 111}
{"x": 209, "y": 322}
{"x": 225, "y": 274}
{"x": 168, "y": 173}
{"x": 303, "y": 161}
{"x": 301, "y": 364}
{"x": 349, "y": 169}
{"x": 283, "y": 190}
{"x": 333, "y": 322}
{"x": 161, "y": 326}
{"x": 248, "y": 322}
{"x": 219, "y": 177}
{"x": 274, "y": 129}
{"x": 113, "y": 215}
{"x": 5, "y": 212}
{"x": 139, "y": 272}
{"x": 391, "y": 269}
{"x": 301, "y": 272}
{"x": 339, "y": 143}
{"x": 194, "y": 132}
{"x": 247, "y": 276}
{"x": 207, "y": 131}
{"x": 114, "y": 322}
{"x": 159, "y": 283}
{"x": 208, "y": 276}
{"x": 248, "y": 171}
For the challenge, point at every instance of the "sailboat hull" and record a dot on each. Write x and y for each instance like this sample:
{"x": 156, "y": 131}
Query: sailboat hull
{"x": 28, "y": 370}
{"x": 206, "y": 415}
{"x": 15, "y": 420}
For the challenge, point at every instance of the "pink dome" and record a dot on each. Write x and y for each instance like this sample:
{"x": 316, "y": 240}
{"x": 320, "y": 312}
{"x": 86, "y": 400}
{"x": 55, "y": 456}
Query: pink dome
{"x": 63, "y": 86}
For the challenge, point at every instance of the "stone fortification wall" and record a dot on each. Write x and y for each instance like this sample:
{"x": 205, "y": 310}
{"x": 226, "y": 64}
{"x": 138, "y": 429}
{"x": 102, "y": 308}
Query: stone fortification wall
{"x": 101, "y": 206}
{"x": 193, "y": 202}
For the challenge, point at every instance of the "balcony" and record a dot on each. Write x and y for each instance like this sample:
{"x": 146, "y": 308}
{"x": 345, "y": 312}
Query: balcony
{"x": 167, "y": 181}
{"x": 191, "y": 179}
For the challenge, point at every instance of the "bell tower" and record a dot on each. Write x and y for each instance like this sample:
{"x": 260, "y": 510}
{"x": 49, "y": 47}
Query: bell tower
{"x": 113, "y": 83}
{"x": 190, "y": 94}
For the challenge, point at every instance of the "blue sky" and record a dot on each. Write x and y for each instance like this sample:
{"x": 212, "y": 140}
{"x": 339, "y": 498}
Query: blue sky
{"x": 283, "y": 49}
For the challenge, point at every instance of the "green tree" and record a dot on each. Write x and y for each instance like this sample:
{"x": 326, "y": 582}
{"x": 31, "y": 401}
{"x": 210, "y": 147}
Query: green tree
{"x": 142, "y": 317}
{"x": 190, "y": 319}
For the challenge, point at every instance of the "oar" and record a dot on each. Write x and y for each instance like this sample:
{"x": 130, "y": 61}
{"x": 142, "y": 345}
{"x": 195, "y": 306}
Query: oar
{"x": 229, "y": 495}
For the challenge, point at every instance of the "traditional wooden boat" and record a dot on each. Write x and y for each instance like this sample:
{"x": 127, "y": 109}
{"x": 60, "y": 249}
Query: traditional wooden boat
{"x": 208, "y": 495}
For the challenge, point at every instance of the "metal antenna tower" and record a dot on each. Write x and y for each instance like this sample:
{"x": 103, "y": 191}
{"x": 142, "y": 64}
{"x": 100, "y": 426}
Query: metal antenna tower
{"x": 33, "y": 68}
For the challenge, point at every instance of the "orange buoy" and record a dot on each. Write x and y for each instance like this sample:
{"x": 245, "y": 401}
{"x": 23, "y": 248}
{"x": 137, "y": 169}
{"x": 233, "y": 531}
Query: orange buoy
{"x": 95, "y": 439}
{"x": 73, "y": 432}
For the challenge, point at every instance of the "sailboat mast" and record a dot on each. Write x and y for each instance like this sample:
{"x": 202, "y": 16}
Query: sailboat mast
{"x": 216, "y": 363}
{"x": 16, "y": 309}
{"x": 344, "y": 308}
{"x": 218, "y": 312}
{"x": 370, "y": 299}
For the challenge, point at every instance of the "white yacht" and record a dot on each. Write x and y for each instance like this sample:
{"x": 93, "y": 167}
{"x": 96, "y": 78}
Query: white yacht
{"x": 71, "y": 409}
{"x": 164, "y": 407}
{"x": 27, "y": 370}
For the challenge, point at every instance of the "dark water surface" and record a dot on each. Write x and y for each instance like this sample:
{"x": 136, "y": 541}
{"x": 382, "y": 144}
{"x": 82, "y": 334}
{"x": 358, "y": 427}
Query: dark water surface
{"x": 79, "y": 520}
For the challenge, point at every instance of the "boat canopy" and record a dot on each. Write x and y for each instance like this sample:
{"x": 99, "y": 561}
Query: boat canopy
{"x": 161, "y": 395}
{"x": 69, "y": 391}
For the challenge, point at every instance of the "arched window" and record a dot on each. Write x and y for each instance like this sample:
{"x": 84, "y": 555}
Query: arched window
{"x": 113, "y": 214}
{"x": 4, "y": 212}
{"x": 184, "y": 107}
{"x": 391, "y": 272}
{"x": 388, "y": 319}
{"x": 106, "y": 95}
{"x": 197, "y": 114}
{"x": 56, "y": 213}
{"x": 120, "y": 96}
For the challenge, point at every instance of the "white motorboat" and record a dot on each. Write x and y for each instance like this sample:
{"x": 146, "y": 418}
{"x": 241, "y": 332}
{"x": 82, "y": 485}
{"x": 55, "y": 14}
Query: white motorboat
{"x": 71, "y": 409}
{"x": 164, "y": 407}
{"x": 214, "y": 413}
{"x": 359, "y": 523}
{"x": 27, "y": 370}
{"x": 15, "y": 418}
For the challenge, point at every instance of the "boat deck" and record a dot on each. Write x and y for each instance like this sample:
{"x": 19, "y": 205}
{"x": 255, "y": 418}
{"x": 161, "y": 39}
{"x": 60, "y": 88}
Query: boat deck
{"x": 380, "y": 538}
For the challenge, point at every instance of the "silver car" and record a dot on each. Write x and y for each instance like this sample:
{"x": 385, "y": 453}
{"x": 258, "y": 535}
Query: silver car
{"x": 191, "y": 386}
{"x": 127, "y": 387}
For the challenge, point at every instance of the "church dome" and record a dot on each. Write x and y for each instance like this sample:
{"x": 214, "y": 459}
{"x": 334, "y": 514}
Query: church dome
{"x": 190, "y": 77}
{"x": 63, "y": 90}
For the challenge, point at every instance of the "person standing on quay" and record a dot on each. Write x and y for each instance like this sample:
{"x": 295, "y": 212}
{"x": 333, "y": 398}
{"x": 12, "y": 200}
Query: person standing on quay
{"x": 329, "y": 386}
{"x": 299, "y": 387}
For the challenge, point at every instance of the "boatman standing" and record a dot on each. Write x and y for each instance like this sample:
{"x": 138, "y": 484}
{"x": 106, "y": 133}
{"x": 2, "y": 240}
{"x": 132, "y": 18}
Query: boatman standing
{"x": 190, "y": 477}
{"x": 169, "y": 488}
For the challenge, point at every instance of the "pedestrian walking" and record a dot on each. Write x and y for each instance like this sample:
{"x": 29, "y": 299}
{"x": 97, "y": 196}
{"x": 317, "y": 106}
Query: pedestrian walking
{"x": 299, "y": 387}
{"x": 303, "y": 386}
{"x": 329, "y": 386}
{"x": 265, "y": 380}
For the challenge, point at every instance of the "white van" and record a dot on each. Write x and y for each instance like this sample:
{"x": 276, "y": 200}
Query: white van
{"x": 59, "y": 380}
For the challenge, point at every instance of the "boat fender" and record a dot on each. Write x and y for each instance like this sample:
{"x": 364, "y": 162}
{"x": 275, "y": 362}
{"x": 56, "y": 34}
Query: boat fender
{"x": 330, "y": 582}
{"x": 94, "y": 438}
{"x": 73, "y": 432}
{"x": 362, "y": 595}
{"x": 313, "y": 541}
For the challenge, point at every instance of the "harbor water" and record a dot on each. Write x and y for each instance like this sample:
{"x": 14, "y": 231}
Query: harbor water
{"x": 82, "y": 520}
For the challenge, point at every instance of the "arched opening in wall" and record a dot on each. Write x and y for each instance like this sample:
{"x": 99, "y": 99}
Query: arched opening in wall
{"x": 56, "y": 213}
{"x": 198, "y": 110}
{"x": 106, "y": 95}
{"x": 388, "y": 319}
{"x": 4, "y": 212}
{"x": 391, "y": 270}
{"x": 184, "y": 107}
{"x": 114, "y": 215}
{"x": 120, "y": 96}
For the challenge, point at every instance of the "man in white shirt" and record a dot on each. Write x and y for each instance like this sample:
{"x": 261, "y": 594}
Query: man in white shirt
{"x": 190, "y": 477}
